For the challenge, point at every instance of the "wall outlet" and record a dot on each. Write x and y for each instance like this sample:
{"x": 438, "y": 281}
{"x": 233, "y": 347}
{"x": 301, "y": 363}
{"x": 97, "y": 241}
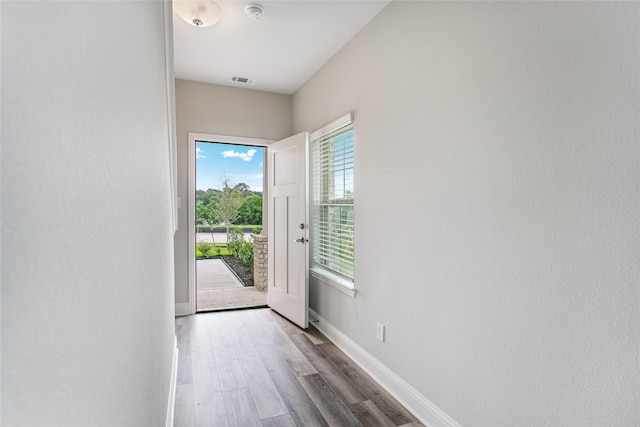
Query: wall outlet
{"x": 380, "y": 332}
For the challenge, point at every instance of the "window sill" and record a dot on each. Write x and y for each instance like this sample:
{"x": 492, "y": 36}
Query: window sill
{"x": 333, "y": 280}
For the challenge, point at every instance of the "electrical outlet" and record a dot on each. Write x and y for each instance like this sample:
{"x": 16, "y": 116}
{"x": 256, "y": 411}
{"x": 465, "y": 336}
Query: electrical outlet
{"x": 380, "y": 332}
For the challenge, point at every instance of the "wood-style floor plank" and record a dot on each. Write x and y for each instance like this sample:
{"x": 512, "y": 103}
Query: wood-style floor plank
{"x": 241, "y": 412}
{"x": 288, "y": 327}
{"x": 184, "y": 374}
{"x": 263, "y": 391}
{"x": 198, "y": 331}
{"x": 184, "y": 348}
{"x": 204, "y": 368}
{"x": 255, "y": 368}
{"x": 183, "y": 409}
{"x": 296, "y": 360}
{"x": 315, "y": 336}
{"x": 281, "y": 421}
{"x": 182, "y": 332}
{"x": 262, "y": 330}
{"x": 211, "y": 412}
{"x": 300, "y": 406}
{"x": 229, "y": 370}
{"x": 369, "y": 414}
{"x": 371, "y": 389}
{"x": 335, "y": 378}
{"x": 207, "y": 390}
{"x": 329, "y": 404}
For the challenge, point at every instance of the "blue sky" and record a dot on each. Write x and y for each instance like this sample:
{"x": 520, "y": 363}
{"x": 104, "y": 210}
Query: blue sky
{"x": 238, "y": 163}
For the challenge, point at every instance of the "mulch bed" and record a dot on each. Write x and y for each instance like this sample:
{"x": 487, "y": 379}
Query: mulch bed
{"x": 241, "y": 271}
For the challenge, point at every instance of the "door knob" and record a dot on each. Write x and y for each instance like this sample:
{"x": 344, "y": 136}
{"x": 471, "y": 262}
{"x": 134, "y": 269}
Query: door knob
{"x": 300, "y": 240}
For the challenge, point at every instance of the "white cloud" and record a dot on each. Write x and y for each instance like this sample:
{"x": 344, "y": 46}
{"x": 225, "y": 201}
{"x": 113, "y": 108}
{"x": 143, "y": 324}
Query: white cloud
{"x": 244, "y": 156}
{"x": 200, "y": 153}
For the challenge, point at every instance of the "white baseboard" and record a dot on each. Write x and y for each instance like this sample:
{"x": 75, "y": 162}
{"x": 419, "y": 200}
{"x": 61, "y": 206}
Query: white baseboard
{"x": 428, "y": 413}
{"x": 183, "y": 309}
{"x": 172, "y": 386}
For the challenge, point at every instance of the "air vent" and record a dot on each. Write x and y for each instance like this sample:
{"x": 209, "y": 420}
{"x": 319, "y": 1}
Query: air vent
{"x": 242, "y": 80}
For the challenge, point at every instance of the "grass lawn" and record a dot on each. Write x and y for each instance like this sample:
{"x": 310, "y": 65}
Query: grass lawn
{"x": 209, "y": 250}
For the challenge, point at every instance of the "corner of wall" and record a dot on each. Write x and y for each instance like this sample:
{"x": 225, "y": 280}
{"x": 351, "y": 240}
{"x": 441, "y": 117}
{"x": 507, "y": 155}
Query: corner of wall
{"x": 183, "y": 309}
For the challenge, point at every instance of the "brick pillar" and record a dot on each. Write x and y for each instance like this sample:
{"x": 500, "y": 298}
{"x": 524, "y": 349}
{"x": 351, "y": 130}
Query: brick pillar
{"x": 259, "y": 262}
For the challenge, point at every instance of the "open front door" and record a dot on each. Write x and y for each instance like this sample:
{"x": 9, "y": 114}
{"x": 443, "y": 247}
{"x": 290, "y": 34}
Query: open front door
{"x": 287, "y": 224}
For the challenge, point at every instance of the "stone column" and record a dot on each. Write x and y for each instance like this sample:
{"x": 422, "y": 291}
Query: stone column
{"x": 260, "y": 262}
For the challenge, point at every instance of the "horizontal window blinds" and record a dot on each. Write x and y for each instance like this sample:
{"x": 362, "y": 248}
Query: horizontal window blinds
{"x": 332, "y": 208}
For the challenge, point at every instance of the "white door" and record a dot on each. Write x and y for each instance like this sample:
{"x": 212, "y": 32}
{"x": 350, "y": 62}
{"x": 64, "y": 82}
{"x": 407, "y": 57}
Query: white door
{"x": 287, "y": 226}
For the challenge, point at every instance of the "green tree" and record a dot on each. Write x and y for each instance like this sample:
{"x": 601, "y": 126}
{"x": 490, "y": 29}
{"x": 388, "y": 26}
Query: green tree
{"x": 243, "y": 189}
{"x": 206, "y": 196}
{"x": 200, "y": 212}
{"x": 227, "y": 206}
{"x": 251, "y": 210}
{"x": 205, "y": 215}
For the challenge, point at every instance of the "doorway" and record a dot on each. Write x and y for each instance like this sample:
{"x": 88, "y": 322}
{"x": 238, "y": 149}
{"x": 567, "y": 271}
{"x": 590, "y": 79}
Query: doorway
{"x": 226, "y": 206}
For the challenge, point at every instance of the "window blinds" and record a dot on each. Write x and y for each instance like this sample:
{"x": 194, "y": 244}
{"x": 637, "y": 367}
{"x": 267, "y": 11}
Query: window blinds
{"x": 332, "y": 192}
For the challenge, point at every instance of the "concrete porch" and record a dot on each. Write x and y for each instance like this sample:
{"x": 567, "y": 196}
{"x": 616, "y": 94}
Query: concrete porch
{"x": 217, "y": 288}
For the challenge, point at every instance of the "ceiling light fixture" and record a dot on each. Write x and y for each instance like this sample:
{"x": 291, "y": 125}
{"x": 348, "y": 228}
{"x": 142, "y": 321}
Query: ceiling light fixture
{"x": 199, "y": 13}
{"x": 254, "y": 11}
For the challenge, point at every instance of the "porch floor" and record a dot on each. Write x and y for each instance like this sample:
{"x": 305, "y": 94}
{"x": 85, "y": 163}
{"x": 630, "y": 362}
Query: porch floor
{"x": 218, "y": 288}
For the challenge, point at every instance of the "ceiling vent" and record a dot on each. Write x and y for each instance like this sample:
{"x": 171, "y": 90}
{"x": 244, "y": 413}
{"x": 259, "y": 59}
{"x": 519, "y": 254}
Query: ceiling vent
{"x": 242, "y": 80}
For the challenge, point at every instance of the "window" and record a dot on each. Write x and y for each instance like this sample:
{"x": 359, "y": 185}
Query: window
{"x": 332, "y": 202}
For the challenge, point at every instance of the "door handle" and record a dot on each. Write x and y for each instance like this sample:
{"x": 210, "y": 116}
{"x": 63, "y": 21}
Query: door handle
{"x": 301, "y": 240}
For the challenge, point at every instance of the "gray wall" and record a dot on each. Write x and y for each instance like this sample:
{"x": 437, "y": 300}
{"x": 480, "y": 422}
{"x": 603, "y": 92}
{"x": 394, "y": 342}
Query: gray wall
{"x": 497, "y": 199}
{"x": 87, "y": 248}
{"x": 219, "y": 110}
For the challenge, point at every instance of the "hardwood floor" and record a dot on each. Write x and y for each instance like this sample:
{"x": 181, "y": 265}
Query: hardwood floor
{"x": 255, "y": 368}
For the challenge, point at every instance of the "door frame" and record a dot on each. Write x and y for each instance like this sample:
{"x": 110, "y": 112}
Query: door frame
{"x": 193, "y": 137}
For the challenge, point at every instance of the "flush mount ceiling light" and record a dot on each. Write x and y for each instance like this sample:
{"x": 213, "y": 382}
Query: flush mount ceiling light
{"x": 199, "y": 13}
{"x": 254, "y": 11}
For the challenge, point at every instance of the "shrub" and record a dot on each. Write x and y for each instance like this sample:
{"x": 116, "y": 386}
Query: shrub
{"x": 205, "y": 249}
{"x": 223, "y": 251}
{"x": 245, "y": 254}
{"x": 235, "y": 239}
{"x": 240, "y": 248}
{"x": 257, "y": 229}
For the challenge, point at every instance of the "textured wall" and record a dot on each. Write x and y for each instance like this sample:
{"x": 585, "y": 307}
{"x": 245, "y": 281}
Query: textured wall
{"x": 497, "y": 199}
{"x": 87, "y": 248}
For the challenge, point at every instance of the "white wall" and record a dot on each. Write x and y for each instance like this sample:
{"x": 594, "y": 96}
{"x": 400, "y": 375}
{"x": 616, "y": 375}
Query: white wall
{"x": 219, "y": 110}
{"x": 497, "y": 199}
{"x": 87, "y": 247}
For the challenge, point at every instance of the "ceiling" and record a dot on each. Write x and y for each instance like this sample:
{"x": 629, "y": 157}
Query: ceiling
{"x": 281, "y": 51}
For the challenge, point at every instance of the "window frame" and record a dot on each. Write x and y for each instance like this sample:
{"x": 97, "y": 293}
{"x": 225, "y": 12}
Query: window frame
{"x": 318, "y": 271}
